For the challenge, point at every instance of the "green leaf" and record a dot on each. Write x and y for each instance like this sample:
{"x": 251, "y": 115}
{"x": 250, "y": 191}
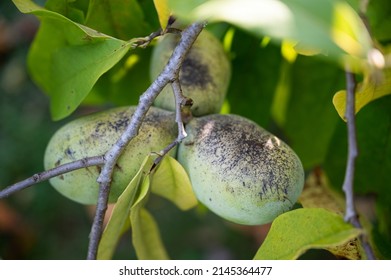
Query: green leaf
{"x": 123, "y": 19}
{"x": 366, "y": 92}
{"x": 119, "y": 219}
{"x": 171, "y": 181}
{"x": 123, "y": 84}
{"x": 163, "y": 12}
{"x": 309, "y": 116}
{"x": 74, "y": 10}
{"x": 66, "y": 58}
{"x": 251, "y": 95}
{"x": 373, "y": 164}
{"x": 331, "y": 26}
{"x": 145, "y": 233}
{"x": 297, "y": 231}
{"x": 378, "y": 13}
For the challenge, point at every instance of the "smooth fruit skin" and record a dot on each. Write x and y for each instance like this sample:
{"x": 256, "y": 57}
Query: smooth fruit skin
{"x": 240, "y": 171}
{"x": 93, "y": 135}
{"x": 204, "y": 75}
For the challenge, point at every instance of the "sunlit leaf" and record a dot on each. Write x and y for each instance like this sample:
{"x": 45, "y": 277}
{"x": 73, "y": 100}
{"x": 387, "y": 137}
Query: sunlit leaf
{"x": 67, "y": 58}
{"x": 330, "y": 26}
{"x": 297, "y": 231}
{"x": 120, "y": 215}
{"x": 171, "y": 181}
{"x": 163, "y": 12}
{"x": 366, "y": 92}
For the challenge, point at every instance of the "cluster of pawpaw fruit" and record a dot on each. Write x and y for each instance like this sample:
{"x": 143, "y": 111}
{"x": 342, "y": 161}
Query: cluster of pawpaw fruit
{"x": 237, "y": 169}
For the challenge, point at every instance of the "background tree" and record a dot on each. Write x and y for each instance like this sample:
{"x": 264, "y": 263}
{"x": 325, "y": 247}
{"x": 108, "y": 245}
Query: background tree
{"x": 295, "y": 65}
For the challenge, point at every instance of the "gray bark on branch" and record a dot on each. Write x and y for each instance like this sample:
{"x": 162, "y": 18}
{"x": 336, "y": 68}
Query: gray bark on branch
{"x": 348, "y": 184}
{"x": 46, "y": 175}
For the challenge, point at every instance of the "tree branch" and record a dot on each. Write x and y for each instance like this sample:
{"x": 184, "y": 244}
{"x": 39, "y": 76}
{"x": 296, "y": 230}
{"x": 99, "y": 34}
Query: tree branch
{"x": 352, "y": 146}
{"x": 56, "y": 171}
{"x": 169, "y": 73}
{"x": 182, "y": 105}
{"x": 351, "y": 214}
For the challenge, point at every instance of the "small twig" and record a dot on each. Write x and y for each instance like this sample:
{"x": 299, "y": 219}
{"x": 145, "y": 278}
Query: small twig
{"x": 143, "y": 42}
{"x": 56, "y": 171}
{"x": 351, "y": 214}
{"x": 169, "y": 73}
{"x": 182, "y": 104}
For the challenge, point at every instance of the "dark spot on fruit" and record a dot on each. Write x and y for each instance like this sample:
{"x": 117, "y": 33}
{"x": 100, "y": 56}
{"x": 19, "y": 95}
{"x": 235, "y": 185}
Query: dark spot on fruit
{"x": 230, "y": 189}
{"x": 98, "y": 126}
{"x": 68, "y": 151}
{"x": 117, "y": 166}
{"x": 119, "y": 124}
{"x": 58, "y": 162}
{"x": 98, "y": 168}
{"x": 194, "y": 73}
{"x": 61, "y": 177}
{"x": 190, "y": 143}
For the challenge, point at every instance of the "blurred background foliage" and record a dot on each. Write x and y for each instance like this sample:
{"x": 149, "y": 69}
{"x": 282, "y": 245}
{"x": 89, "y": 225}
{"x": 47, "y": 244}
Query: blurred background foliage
{"x": 289, "y": 94}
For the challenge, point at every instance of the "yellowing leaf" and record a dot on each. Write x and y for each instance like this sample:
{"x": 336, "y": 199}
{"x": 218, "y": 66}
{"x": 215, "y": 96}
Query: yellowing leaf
{"x": 171, "y": 181}
{"x": 119, "y": 216}
{"x": 348, "y": 31}
{"x": 297, "y": 231}
{"x": 332, "y": 27}
{"x": 163, "y": 12}
{"x": 318, "y": 194}
{"x": 145, "y": 235}
{"x": 288, "y": 51}
{"x": 367, "y": 91}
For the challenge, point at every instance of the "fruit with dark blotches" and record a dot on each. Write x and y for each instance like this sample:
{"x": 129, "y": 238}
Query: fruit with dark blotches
{"x": 204, "y": 75}
{"x": 93, "y": 135}
{"x": 239, "y": 170}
